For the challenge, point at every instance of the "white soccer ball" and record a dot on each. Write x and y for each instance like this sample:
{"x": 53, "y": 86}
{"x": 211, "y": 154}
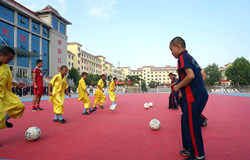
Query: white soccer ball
{"x": 33, "y": 133}
{"x": 146, "y": 105}
{"x": 154, "y": 124}
{"x": 150, "y": 104}
{"x": 112, "y": 107}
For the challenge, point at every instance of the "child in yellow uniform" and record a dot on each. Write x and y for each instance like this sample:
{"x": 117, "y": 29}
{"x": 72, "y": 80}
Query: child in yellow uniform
{"x": 83, "y": 94}
{"x": 99, "y": 93}
{"x": 59, "y": 85}
{"x": 8, "y": 100}
{"x": 112, "y": 89}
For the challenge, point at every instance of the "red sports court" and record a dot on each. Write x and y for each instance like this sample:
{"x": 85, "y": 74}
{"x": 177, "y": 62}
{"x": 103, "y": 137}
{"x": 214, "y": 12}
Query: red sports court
{"x": 125, "y": 134}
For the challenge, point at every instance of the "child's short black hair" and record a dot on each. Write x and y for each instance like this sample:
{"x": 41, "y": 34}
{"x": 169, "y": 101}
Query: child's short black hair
{"x": 115, "y": 78}
{"x": 39, "y": 61}
{"x": 178, "y": 40}
{"x": 103, "y": 75}
{"x": 63, "y": 67}
{"x": 84, "y": 74}
{"x": 170, "y": 74}
{"x": 7, "y": 50}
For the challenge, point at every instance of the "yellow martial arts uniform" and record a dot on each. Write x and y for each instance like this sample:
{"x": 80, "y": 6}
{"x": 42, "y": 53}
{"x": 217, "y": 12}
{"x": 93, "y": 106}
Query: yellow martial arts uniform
{"x": 112, "y": 95}
{"x": 8, "y": 100}
{"x": 59, "y": 85}
{"x": 83, "y": 96}
{"x": 99, "y": 95}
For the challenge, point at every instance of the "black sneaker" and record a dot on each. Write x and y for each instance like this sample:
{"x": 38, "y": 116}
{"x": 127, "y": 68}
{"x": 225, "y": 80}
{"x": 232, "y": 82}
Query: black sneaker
{"x": 39, "y": 108}
{"x": 86, "y": 113}
{"x": 101, "y": 107}
{"x": 196, "y": 158}
{"x": 91, "y": 111}
{"x": 9, "y": 125}
{"x": 62, "y": 121}
{"x": 34, "y": 110}
{"x": 56, "y": 120}
{"x": 170, "y": 107}
{"x": 185, "y": 153}
{"x": 175, "y": 108}
{"x": 94, "y": 109}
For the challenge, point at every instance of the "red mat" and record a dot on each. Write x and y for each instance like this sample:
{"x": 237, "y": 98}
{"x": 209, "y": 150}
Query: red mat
{"x": 124, "y": 134}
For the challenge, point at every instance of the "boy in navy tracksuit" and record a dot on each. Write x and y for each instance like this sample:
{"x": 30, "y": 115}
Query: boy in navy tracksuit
{"x": 172, "y": 102}
{"x": 194, "y": 99}
{"x": 177, "y": 98}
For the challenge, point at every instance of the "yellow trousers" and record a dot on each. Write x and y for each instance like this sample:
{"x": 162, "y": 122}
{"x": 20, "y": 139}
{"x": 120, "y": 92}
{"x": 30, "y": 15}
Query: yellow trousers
{"x": 99, "y": 97}
{"x": 86, "y": 101}
{"x": 112, "y": 96}
{"x": 58, "y": 100}
{"x": 14, "y": 107}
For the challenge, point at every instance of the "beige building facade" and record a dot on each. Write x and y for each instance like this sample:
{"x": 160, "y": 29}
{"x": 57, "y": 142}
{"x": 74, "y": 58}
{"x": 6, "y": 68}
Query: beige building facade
{"x": 157, "y": 74}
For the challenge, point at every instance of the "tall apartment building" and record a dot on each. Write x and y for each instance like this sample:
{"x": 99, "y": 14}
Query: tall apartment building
{"x": 157, "y": 74}
{"x": 109, "y": 69}
{"x": 83, "y": 61}
{"x": 33, "y": 35}
{"x": 125, "y": 71}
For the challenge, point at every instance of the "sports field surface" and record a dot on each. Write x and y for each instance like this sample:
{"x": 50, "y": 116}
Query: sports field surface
{"x": 124, "y": 134}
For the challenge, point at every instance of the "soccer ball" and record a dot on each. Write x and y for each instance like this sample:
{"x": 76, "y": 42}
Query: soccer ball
{"x": 112, "y": 107}
{"x": 146, "y": 105}
{"x": 32, "y": 133}
{"x": 150, "y": 104}
{"x": 154, "y": 124}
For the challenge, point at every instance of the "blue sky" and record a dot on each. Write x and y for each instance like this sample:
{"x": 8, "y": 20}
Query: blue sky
{"x": 138, "y": 32}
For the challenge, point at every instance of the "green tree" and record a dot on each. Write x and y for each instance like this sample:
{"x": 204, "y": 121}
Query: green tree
{"x": 239, "y": 72}
{"x": 75, "y": 75}
{"x": 89, "y": 80}
{"x": 109, "y": 78}
{"x": 213, "y": 74}
{"x": 143, "y": 87}
{"x": 133, "y": 79}
{"x": 152, "y": 84}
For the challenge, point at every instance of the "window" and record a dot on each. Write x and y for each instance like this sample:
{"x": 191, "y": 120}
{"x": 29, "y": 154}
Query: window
{"x": 79, "y": 55}
{"x": 78, "y": 62}
{"x": 6, "y": 13}
{"x": 72, "y": 57}
{"x": 68, "y": 63}
{"x": 35, "y": 48}
{"x": 23, "y": 21}
{"x": 45, "y": 56}
{"x": 35, "y": 27}
{"x": 45, "y": 32}
{"x": 148, "y": 75}
{"x": 159, "y": 75}
{"x": 62, "y": 28}
{"x": 159, "y": 78}
{"x": 55, "y": 23}
{"x": 69, "y": 56}
{"x": 152, "y": 76}
{"x": 72, "y": 64}
{"x": 78, "y": 68}
{"x": 156, "y": 79}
